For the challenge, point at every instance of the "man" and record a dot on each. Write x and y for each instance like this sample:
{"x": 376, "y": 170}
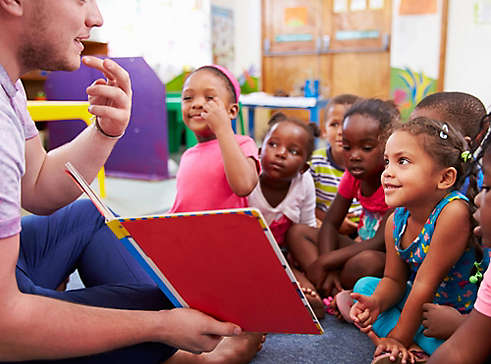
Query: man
{"x": 36, "y": 320}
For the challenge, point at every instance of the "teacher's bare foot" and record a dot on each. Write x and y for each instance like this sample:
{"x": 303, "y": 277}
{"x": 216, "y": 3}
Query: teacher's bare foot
{"x": 231, "y": 350}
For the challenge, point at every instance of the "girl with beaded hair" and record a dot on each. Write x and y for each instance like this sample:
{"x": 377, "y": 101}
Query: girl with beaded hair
{"x": 430, "y": 248}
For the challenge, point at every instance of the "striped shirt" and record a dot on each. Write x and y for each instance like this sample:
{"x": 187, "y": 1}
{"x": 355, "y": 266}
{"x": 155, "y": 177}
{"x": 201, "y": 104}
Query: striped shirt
{"x": 327, "y": 175}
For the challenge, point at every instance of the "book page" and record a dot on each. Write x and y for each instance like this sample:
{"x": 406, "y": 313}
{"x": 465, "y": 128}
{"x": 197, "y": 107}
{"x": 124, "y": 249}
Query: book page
{"x": 85, "y": 187}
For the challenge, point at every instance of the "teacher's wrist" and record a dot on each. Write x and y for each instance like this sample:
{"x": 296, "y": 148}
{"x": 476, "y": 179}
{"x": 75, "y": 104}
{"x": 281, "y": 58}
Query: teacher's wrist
{"x": 95, "y": 123}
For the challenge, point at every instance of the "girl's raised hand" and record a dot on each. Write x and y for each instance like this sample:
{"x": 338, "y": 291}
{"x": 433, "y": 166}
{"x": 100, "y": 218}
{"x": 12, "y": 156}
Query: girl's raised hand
{"x": 216, "y": 115}
{"x": 110, "y": 98}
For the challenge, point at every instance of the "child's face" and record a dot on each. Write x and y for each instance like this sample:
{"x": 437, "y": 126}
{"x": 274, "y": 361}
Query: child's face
{"x": 200, "y": 88}
{"x": 410, "y": 176}
{"x": 363, "y": 150}
{"x": 334, "y": 127}
{"x": 284, "y": 151}
{"x": 483, "y": 202}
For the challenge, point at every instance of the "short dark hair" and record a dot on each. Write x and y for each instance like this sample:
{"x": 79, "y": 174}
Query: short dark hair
{"x": 343, "y": 99}
{"x": 311, "y": 128}
{"x": 385, "y": 112}
{"x": 462, "y": 110}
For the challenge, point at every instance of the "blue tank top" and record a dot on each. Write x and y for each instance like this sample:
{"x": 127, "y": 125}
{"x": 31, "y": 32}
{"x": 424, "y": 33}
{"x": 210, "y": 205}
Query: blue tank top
{"x": 455, "y": 289}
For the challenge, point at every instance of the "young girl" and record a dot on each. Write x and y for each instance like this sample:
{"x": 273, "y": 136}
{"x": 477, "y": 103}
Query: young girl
{"x": 285, "y": 194}
{"x": 334, "y": 262}
{"x": 471, "y": 343}
{"x": 327, "y": 164}
{"x": 221, "y": 170}
{"x": 467, "y": 114}
{"x": 430, "y": 252}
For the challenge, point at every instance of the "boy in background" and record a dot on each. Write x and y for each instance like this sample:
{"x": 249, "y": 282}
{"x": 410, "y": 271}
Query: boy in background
{"x": 327, "y": 164}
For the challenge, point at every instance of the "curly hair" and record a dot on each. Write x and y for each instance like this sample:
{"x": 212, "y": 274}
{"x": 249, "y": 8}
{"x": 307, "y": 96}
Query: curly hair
{"x": 462, "y": 110}
{"x": 385, "y": 112}
{"x": 446, "y": 145}
{"x": 311, "y": 129}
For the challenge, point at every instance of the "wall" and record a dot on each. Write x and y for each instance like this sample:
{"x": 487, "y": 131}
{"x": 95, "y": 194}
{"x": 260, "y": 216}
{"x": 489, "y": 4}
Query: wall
{"x": 247, "y": 34}
{"x": 415, "y": 55}
{"x": 468, "y": 52}
{"x": 169, "y": 34}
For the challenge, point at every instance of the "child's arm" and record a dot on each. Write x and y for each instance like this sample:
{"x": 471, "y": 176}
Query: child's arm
{"x": 469, "y": 344}
{"x": 328, "y": 233}
{"x": 241, "y": 171}
{"x": 447, "y": 245}
{"x": 335, "y": 258}
{"x": 391, "y": 287}
{"x": 441, "y": 321}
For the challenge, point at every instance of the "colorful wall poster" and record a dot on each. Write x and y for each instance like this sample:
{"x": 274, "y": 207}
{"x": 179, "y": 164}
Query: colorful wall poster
{"x": 415, "y": 56}
{"x": 222, "y": 36}
{"x": 296, "y": 17}
{"x": 418, "y": 7}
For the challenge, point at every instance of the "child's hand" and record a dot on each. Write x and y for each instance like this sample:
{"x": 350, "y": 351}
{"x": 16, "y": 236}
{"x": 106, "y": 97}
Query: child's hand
{"x": 332, "y": 284}
{"x": 216, "y": 115}
{"x": 395, "y": 348}
{"x": 440, "y": 321}
{"x": 316, "y": 273}
{"x": 364, "y": 312}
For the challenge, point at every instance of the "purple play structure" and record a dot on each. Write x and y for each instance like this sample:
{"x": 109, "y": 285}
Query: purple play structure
{"x": 142, "y": 152}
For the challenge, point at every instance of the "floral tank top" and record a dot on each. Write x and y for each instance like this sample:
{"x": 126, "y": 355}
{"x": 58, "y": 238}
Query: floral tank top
{"x": 455, "y": 289}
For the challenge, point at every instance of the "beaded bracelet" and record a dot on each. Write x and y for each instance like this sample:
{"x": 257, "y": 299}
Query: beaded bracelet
{"x": 95, "y": 122}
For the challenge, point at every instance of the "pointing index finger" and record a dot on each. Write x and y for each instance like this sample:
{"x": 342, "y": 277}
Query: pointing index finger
{"x": 112, "y": 71}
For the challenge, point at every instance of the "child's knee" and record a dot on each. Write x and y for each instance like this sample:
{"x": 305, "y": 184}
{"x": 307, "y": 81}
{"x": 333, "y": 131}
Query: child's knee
{"x": 366, "y": 285}
{"x": 366, "y": 263}
{"x": 298, "y": 233}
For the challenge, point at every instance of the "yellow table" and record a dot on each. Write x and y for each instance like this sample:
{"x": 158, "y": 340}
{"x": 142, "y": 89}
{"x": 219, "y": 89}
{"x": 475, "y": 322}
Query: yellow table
{"x": 64, "y": 110}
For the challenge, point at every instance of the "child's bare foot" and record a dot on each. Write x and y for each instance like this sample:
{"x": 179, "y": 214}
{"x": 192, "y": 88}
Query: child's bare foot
{"x": 340, "y": 305}
{"x": 311, "y": 294}
{"x": 418, "y": 354}
{"x": 315, "y": 302}
{"x": 440, "y": 321}
{"x": 231, "y": 350}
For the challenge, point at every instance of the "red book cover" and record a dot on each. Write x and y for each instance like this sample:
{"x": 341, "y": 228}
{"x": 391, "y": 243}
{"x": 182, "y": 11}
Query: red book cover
{"x": 224, "y": 263}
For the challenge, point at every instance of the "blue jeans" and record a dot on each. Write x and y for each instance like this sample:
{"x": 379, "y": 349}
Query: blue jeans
{"x": 387, "y": 320}
{"x": 76, "y": 237}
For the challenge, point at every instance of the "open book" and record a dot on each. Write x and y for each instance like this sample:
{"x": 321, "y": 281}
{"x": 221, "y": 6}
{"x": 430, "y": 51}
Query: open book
{"x": 224, "y": 263}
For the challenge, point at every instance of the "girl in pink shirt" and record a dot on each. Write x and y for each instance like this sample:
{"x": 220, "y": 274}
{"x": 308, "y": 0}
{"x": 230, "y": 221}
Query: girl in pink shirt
{"x": 222, "y": 169}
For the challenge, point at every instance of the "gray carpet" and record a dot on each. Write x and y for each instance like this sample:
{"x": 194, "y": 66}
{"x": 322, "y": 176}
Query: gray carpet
{"x": 341, "y": 343}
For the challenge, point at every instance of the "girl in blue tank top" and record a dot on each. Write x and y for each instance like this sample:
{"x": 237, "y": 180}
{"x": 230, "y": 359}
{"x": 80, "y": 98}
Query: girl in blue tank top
{"x": 430, "y": 247}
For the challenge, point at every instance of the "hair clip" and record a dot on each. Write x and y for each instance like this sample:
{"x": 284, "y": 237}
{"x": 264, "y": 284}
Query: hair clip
{"x": 466, "y": 156}
{"x": 444, "y": 131}
{"x": 476, "y": 278}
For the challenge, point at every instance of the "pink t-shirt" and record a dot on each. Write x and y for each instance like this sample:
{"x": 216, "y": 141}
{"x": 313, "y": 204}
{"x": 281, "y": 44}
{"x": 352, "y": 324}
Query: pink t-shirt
{"x": 349, "y": 188}
{"x": 201, "y": 181}
{"x": 483, "y": 302}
